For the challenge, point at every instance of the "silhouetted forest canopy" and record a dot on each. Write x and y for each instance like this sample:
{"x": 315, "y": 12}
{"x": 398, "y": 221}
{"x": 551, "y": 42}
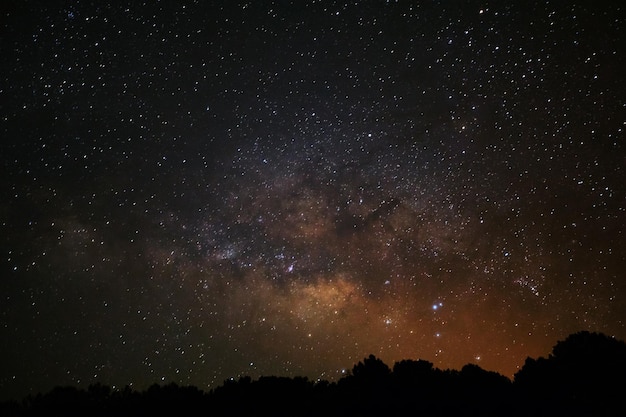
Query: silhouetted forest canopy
{"x": 585, "y": 375}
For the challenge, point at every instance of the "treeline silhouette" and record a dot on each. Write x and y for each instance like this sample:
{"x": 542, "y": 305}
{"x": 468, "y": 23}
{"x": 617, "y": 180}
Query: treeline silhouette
{"x": 585, "y": 375}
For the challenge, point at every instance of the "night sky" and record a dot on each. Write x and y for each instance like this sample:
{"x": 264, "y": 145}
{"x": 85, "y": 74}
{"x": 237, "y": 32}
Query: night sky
{"x": 193, "y": 191}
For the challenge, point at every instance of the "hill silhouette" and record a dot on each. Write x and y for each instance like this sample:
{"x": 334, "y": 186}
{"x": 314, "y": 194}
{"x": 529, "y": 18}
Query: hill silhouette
{"x": 584, "y": 375}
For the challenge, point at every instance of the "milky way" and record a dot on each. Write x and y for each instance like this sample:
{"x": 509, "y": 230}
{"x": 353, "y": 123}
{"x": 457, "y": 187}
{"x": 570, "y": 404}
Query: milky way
{"x": 193, "y": 192}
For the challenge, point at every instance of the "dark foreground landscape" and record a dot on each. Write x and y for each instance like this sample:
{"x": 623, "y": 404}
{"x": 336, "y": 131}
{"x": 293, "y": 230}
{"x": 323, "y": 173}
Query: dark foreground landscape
{"x": 585, "y": 375}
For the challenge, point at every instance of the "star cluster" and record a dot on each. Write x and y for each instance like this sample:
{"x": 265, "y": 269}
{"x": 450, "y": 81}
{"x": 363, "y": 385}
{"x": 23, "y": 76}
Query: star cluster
{"x": 201, "y": 190}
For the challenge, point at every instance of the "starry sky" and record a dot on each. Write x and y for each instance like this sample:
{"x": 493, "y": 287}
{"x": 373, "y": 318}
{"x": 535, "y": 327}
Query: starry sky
{"x": 198, "y": 190}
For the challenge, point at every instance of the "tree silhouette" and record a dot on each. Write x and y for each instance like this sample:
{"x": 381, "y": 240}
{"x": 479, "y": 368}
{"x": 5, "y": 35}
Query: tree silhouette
{"x": 417, "y": 386}
{"x": 371, "y": 369}
{"x": 585, "y": 375}
{"x": 483, "y": 392}
{"x": 365, "y": 391}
